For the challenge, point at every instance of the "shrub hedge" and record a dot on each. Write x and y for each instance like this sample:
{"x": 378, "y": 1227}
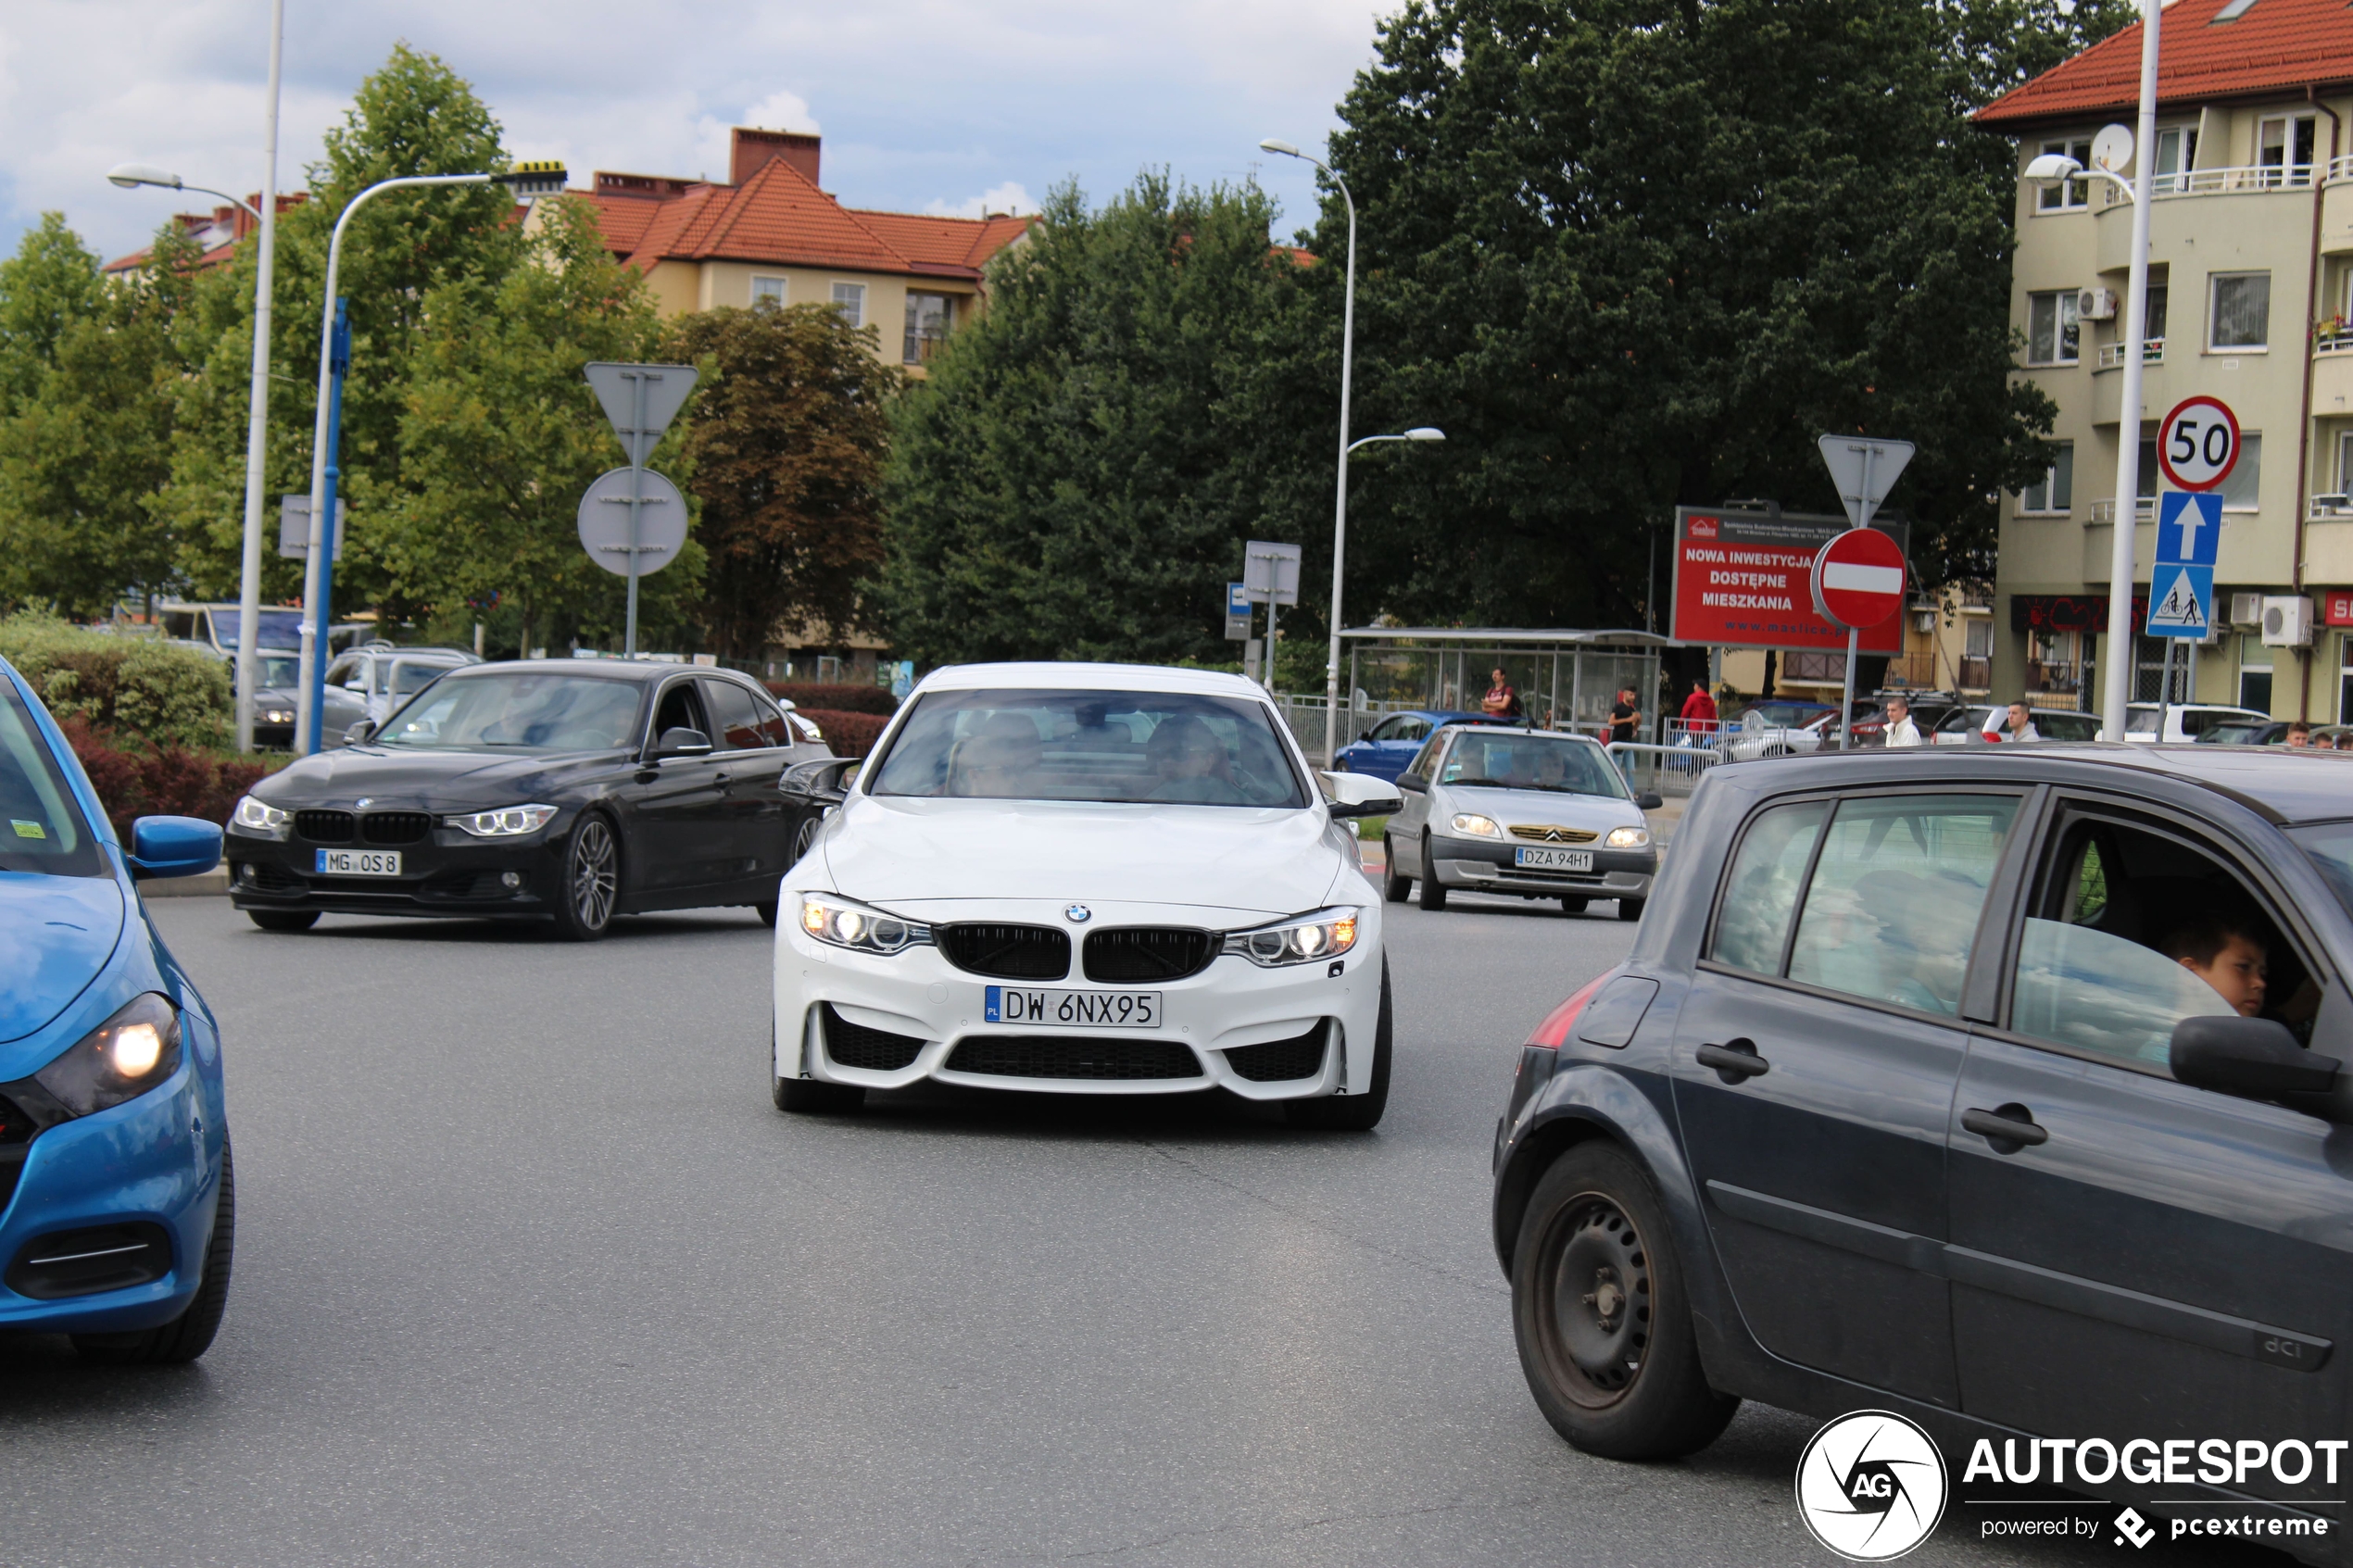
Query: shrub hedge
{"x": 849, "y": 734}
{"x": 837, "y": 696}
{"x": 166, "y": 694}
{"x": 135, "y": 780}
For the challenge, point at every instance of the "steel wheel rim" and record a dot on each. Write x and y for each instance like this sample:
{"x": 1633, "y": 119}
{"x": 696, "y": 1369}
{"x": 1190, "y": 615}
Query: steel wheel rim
{"x": 1598, "y": 1300}
{"x": 593, "y": 882}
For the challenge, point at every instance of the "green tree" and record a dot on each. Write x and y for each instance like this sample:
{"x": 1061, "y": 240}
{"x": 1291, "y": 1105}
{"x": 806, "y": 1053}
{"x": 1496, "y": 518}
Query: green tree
{"x": 1065, "y": 483}
{"x": 500, "y": 435}
{"x": 786, "y": 443}
{"x": 91, "y": 371}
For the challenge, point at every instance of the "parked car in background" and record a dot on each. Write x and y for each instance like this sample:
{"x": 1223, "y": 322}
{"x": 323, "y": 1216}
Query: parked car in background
{"x": 2186, "y": 722}
{"x": 1774, "y": 728}
{"x": 1391, "y": 745}
{"x": 2246, "y": 732}
{"x": 215, "y": 625}
{"x": 1980, "y": 724}
{"x": 372, "y": 679}
{"x": 118, "y": 1206}
{"x": 1530, "y": 812}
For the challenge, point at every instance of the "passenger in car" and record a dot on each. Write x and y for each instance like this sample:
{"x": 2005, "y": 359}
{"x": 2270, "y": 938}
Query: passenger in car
{"x": 2227, "y": 955}
{"x": 1191, "y": 763}
{"x": 998, "y": 762}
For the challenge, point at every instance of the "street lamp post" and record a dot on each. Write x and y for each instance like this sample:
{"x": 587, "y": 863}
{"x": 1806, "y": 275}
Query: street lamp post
{"x": 2050, "y": 168}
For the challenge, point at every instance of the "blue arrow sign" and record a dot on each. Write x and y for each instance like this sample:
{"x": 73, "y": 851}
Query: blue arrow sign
{"x": 2181, "y": 600}
{"x": 2189, "y": 527}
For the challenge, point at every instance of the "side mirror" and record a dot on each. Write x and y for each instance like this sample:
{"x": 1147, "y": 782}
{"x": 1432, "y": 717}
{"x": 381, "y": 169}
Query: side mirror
{"x": 173, "y": 846}
{"x": 2257, "y": 1058}
{"x": 1414, "y": 782}
{"x": 681, "y": 742}
{"x": 1361, "y": 795}
{"x": 1650, "y": 801}
{"x": 359, "y": 733}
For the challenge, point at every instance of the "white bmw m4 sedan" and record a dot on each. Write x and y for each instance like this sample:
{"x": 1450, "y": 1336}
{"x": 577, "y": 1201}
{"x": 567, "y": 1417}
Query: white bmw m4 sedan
{"x": 1089, "y": 878}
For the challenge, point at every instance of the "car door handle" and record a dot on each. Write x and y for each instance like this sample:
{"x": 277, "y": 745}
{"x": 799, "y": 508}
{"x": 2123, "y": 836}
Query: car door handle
{"x": 2012, "y": 1124}
{"x": 1734, "y": 1060}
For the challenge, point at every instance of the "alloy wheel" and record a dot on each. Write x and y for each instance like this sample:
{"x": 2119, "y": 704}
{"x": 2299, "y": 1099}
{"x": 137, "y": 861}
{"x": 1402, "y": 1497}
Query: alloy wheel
{"x": 594, "y": 879}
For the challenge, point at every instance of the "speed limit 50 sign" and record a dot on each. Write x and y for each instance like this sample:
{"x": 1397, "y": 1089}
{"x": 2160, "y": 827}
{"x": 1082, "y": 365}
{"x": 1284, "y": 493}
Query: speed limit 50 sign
{"x": 2197, "y": 443}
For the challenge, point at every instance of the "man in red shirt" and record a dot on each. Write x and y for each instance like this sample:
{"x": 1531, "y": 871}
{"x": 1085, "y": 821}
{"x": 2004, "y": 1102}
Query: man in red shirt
{"x": 1699, "y": 710}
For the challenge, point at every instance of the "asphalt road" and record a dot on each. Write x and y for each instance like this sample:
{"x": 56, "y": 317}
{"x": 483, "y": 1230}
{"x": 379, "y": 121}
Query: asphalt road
{"x": 530, "y": 1271}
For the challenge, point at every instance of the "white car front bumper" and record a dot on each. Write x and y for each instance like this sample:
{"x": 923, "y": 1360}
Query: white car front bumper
{"x": 913, "y": 1010}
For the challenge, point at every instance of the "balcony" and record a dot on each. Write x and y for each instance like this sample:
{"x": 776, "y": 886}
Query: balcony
{"x": 2112, "y": 354}
{"x": 2333, "y": 375}
{"x": 2261, "y": 194}
{"x": 2104, "y": 513}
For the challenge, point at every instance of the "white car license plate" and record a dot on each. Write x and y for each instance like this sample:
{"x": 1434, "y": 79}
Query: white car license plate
{"x": 359, "y": 863}
{"x": 1078, "y": 1010}
{"x": 1554, "y": 859}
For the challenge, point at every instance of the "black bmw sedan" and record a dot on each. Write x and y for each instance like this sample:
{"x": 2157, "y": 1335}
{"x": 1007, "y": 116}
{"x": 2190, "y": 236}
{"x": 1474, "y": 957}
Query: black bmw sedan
{"x": 556, "y": 789}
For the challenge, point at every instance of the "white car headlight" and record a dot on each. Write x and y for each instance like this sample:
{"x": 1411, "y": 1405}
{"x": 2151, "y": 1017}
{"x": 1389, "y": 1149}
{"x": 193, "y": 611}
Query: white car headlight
{"x": 1327, "y": 933}
{"x": 1628, "y": 838}
{"x": 1472, "y": 822}
{"x": 260, "y": 818}
{"x": 845, "y": 922}
{"x": 507, "y": 821}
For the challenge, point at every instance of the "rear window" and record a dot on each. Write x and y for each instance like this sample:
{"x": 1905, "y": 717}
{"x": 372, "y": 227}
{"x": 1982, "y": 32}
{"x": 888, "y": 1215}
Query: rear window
{"x": 42, "y": 827}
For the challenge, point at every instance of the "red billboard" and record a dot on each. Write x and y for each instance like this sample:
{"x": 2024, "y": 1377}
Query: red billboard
{"x": 2336, "y": 607}
{"x": 1743, "y": 580}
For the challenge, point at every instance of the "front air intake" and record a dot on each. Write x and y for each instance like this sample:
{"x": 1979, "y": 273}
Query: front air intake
{"x": 1008, "y": 952}
{"x": 87, "y": 1261}
{"x": 1059, "y": 1056}
{"x": 877, "y": 1050}
{"x": 1280, "y": 1061}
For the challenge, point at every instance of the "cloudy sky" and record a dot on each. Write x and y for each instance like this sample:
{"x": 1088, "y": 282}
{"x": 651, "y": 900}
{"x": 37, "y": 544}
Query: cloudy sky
{"x": 925, "y": 105}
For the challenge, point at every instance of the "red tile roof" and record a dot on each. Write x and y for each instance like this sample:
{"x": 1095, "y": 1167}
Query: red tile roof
{"x": 780, "y": 218}
{"x": 2273, "y": 46}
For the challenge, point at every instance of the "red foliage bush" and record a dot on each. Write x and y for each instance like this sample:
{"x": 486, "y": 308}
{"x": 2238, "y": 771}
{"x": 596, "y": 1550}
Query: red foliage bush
{"x": 837, "y": 696}
{"x": 849, "y": 734}
{"x": 143, "y": 780}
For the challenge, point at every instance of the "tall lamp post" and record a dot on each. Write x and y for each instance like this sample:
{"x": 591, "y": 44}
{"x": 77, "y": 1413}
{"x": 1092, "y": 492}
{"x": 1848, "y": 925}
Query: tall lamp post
{"x": 2055, "y": 168}
{"x": 1339, "y": 542}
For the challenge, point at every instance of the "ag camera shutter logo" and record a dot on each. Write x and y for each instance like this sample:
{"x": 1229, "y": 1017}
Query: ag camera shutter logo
{"x": 1871, "y": 1486}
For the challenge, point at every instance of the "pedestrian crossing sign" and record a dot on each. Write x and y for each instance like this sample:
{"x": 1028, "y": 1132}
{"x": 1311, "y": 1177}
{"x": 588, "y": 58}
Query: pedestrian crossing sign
{"x": 2181, "y": 601}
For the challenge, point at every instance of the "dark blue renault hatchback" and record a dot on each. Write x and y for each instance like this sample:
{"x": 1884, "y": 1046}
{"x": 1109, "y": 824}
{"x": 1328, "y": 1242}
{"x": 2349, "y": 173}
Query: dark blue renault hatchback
{"x": 2006, "y": 1090}
{"x": 117, "y": 1204}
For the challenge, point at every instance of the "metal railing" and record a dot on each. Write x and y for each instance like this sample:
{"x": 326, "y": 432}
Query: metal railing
{"x": 2238, "y": 180}
{"x": 2336, "y": 341}
{"x": 2105, "y": 511}
{"x": 1669, "y": 769}
{"x": 2112, "y": 354}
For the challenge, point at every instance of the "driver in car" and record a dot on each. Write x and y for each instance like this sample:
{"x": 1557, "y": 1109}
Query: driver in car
{"x": 999, "y": 760}
{"x": 1191, "y": 763}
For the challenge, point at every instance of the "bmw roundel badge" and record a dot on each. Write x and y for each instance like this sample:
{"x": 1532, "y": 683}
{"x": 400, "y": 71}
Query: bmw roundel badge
{"x": 1079, "y": 914}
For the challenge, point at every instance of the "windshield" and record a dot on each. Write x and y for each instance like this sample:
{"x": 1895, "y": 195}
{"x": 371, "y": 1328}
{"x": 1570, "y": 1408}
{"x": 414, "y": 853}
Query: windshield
{"x": 518, "y": 711}
{"x": 410, "y": 676}
{"x": 1556, "y": 763}
{"x": 280, "y": 628}
{"x": 280, "y": 670}
{"x": 40, "y": 828}
{"x": 1014, "y": 745}
{"x": 2329, "y": 846}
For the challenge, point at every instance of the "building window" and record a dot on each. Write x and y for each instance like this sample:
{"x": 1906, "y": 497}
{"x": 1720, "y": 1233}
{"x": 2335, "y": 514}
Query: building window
{"x": 929, "y": 316}
{"x": 2345, "y": 679}
{"x": 851, "y": 300}
{"x": 2056, "y": 491}
{"x": 2051, "y": 330}
{"x": 2283, "y": 149}
{"x": 2145, "y": 481}
{"x": 2241, "y": 491}
{"x": 2255, "y": 672}
{"x": 2067, "y": 194}
{"x": 2153, "y": 320}
{"x": 767, "y": 291}
{"x": 2176, "y": 156}
{"x": 2345, "y": 463}
{"x": 2240, "y": 316}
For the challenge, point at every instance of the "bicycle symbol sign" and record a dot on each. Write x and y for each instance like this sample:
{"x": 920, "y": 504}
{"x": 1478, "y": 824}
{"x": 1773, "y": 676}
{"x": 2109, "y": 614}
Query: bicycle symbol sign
{"x": 2197, "y": 443}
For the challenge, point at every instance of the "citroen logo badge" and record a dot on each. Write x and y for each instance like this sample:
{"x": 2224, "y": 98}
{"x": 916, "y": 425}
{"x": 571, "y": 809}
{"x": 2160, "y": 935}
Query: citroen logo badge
{"x": 1079, "y": 914}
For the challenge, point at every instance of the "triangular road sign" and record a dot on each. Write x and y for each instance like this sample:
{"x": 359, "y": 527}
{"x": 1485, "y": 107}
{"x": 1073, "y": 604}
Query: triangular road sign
{"x": 2179, "y": 606}
{"x": 666, "y": 389}
{"x": 1863, "y": 468}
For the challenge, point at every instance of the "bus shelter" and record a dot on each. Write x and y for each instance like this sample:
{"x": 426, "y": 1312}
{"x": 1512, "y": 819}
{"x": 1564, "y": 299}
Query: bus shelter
{"x": 1565, "y": 679}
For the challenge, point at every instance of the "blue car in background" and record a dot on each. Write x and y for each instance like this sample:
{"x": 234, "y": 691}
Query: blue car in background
{"x": 1392, "y": 744}
{"x": 117, "y": 1207}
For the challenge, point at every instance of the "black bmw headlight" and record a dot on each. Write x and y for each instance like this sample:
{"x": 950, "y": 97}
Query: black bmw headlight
{"x": 120, "y": 1060}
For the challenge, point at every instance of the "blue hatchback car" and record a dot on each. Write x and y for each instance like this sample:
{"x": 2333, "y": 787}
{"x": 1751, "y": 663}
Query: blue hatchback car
{"x": 118, "y": 1206}
{"x": 1392, "y": 744}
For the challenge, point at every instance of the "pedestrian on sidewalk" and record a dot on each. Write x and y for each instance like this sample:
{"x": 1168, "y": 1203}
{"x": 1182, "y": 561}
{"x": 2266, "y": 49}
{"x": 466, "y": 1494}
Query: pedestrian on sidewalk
{"x": 1500, "y": 701}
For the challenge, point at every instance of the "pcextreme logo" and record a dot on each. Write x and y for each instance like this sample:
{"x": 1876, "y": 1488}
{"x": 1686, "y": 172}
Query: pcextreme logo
{"x": 1871, "y": 1486}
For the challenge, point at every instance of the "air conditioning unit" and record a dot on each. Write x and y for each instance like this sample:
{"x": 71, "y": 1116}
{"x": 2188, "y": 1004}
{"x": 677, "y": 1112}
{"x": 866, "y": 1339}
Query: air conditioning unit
{"x": 2095, "y": 305}
{"x": 2287, "y": 621}
{"x": 2246, "y": 610}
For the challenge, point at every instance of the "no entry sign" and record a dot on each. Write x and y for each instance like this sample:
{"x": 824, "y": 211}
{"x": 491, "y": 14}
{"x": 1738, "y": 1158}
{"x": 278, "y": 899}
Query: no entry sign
{"x": 2197, "y": 442}
{"x": 1858, "y": 578}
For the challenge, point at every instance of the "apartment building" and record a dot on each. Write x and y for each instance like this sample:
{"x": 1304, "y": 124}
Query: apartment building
{"x": 770, "y": 233}
{"x": 2249, "y": 300}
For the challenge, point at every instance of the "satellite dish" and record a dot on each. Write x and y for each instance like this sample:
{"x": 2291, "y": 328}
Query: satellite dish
{"x": 2112, "y": 149}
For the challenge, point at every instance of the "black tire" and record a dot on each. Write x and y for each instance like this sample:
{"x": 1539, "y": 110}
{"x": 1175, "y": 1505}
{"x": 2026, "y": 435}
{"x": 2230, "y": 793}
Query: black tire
{"x": 283, "y": 920}
{"x": 1573, "y": 904}
{"x": 1395, "y": 885}
{"x": 806, "y": 1096}
{"x": 1630, "y": 908}
{"x": 190, "y": 1334}
{"x": 1353, "y": 1113}
{"x": 767, "y": 913}
{"x": 1595, "y": 1285}
{"x": 590, "y": 891}
{"x": 1433, "y": 890}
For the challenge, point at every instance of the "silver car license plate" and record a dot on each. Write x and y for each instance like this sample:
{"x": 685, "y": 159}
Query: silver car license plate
{"x": 1554, "y": 859}
{"x": 359, "y": 863}
{"x": 1076, "y": 1010}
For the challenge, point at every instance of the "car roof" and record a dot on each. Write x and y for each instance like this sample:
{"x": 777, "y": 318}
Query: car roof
{"x": 643, "y": 671}
{"x": 2287, "y": 784}
{"x": 1043, "y": 675}
{"x": 1484, "y": 724}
